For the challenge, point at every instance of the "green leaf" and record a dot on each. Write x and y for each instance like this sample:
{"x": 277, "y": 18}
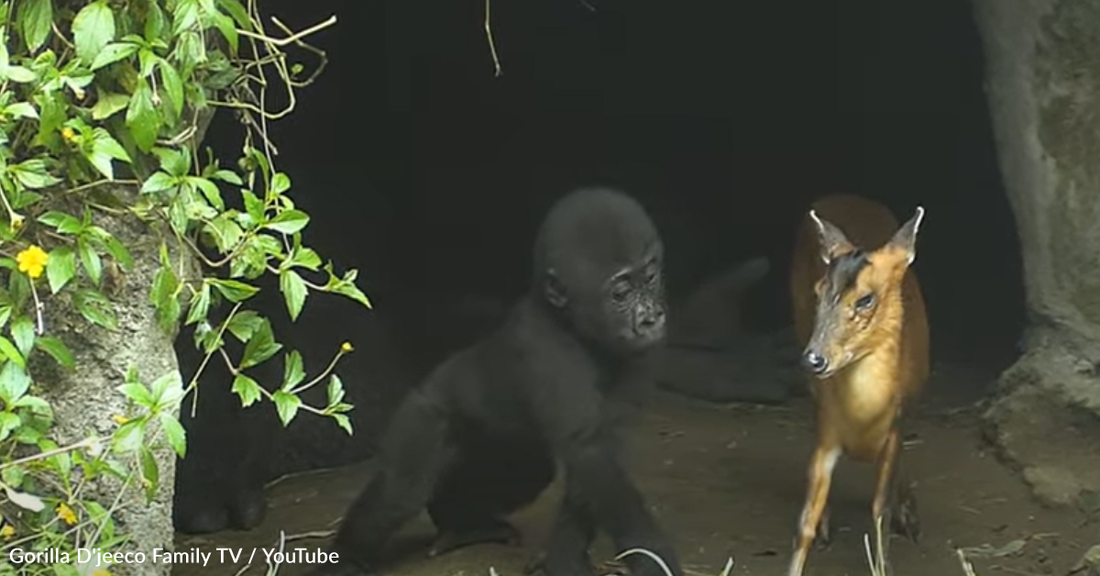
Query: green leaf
{"x": 174, "y": 162}
{"x": 206, "y": 338}
{"x": 112, "y": 53}
{"x": 247, "y": 388}
{"x": 335, "y": 390}
{"x": 22, "y": 331}
{"x": 164, "y": 295}
{"x": 93, "y": 29}
{"x": 294, "y": 292}
{"x": 8, "y": 423}
{"x": 14, "y": 383}
{"x": 174, "y": 431}
{"x": 21, "y": 110}
{"x": 224, "y": 231}
{"x": 60, "y": 267}
{"x": 13, "y": 476}
{"x": 104, "y": 149}
{"x": 105, "y": 143}
{"x": 346, "y": 286}
{"x": 167, "y": 390}
{"x": 225, "y": 26}
{"x": 280, "y": 183}
{"x": 343, "y": 422}
{"x": 19, "y": 74}
{"x": 288, "y": 221}
{"x": 286, "y": 405}
{"x": 209, "y": 190}
{"x": 142, "y": 117}
{"x": 228, "y": 176}
{"x": 199, "y": 306}
{"x": 238, "y": 12}
{"x": 244, "y": 324}
{"x": 155, "y": 22}
{"x": 129, "y": 436}
{"x": 158, "y": 182}
{"x": 108, "y": 104}
{"x": 62, "y": 222}
{"x": 57, "y": 349}
{"x": 95, "y": 308}
{"x": 93, "y": 265}
{"x": 253, "y": 206}
{"x": 173, "y": 85}
{"x": 118, "y": 251}
{"x": 260, "y": 347}
{"x": 35, "y": 404}
{"x": 5, "y": 56}
{"x": 304, "y": 257}
{"x": 35, "y": 19}
{"x": 33, "y": 174}
{"x": 150, "y": 472}
{"x": 293, "y": 370}
{"x": 234, "y": 290}
{"x": 137, "y": 393}
{"x": 185, "y": 15}
{"x": 9, "y": 351}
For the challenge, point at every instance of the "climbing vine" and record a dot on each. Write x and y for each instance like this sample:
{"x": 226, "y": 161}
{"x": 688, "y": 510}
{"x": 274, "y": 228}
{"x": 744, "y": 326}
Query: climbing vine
{"x": 102, "y": 108}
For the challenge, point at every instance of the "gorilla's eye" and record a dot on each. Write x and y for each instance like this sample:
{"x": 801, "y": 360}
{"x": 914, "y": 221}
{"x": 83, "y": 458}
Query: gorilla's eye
{"x": 865, "y": 301}
{"x": 651, "y": 273}
{"x": 620, "y": 292}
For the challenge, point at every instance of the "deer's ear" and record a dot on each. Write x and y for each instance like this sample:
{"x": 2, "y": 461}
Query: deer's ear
{"x": 832, "y": 239}
{"x": 905, "y": 239}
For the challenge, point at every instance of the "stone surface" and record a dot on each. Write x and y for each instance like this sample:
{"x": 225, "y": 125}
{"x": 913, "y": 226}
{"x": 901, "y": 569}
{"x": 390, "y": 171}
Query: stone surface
{"x": 1043, "y": 85}
{"x": 85, "y": 400}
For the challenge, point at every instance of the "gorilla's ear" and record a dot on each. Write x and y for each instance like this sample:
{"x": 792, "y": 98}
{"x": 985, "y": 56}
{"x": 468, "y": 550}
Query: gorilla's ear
{"x": 553, "y": 290}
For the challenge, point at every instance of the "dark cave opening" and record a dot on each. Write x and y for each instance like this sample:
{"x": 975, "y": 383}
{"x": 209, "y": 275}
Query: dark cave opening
{"x": 429, "y": 174}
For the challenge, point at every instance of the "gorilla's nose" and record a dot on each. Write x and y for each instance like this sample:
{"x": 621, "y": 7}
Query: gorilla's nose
{"x": 814, "y": 362}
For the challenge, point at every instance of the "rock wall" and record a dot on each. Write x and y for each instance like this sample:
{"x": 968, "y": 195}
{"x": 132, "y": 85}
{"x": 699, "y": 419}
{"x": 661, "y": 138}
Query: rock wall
{"x": 1043, "y": 86}
{"x": 85, "y": 400}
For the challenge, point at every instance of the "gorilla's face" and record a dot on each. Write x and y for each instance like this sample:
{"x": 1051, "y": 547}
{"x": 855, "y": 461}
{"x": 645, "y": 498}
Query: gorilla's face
{"x": 633, "y": 306}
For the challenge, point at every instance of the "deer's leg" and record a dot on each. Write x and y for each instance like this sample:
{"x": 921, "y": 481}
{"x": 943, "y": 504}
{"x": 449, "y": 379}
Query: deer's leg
{"x": 821, "y": 468}
{"x": 881, "y": 509}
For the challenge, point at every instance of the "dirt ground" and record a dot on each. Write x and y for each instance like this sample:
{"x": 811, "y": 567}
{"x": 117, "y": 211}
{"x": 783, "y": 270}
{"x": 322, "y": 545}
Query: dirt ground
{"x": 728, "y": 481}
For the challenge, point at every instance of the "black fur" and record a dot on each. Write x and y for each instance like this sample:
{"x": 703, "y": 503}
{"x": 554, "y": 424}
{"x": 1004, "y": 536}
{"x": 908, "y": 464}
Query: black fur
{"x": 479, "y": 437}
{"x": 842, "y": 275}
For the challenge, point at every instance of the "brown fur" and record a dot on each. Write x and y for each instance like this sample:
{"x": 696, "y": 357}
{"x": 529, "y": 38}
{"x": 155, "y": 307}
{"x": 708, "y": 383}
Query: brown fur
{"x": 878, "y": 359}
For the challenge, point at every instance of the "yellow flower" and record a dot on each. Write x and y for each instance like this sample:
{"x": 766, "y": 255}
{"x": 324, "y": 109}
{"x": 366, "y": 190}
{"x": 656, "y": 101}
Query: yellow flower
{"x": 32, "y": 261}
{"x": 101, "y": 572}
{"x": 346, "y": 347}
{"x": 65, "y": 513}
{"x": 7, "y": 531}
{"x": 68, "y": 134}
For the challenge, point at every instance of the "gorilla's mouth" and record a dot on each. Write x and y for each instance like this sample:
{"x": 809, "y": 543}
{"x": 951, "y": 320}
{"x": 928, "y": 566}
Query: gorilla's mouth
{"x": 645, "y": 337}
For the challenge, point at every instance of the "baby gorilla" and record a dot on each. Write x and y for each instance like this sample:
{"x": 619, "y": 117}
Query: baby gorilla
{"x": 479, "y": 438}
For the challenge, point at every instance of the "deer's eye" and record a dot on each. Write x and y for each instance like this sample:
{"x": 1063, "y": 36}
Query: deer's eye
{"x": 865, "y": 302}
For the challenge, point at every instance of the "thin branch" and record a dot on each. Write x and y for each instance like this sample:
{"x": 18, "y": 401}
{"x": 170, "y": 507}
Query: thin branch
{"x": 492, "y": 44}
{"x": 293, "y": 38}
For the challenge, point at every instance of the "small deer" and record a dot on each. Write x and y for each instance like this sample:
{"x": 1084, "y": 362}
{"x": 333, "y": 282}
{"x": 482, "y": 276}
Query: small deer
{"x": 859, "y": 313}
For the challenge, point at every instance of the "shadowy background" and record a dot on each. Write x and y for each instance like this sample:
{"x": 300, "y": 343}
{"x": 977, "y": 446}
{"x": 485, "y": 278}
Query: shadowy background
{"x": 725, "y": 119}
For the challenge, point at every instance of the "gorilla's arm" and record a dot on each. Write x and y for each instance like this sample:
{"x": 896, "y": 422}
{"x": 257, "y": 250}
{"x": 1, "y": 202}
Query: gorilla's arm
{"x": 573, "y": 414}
{"x": 412, "y": 454}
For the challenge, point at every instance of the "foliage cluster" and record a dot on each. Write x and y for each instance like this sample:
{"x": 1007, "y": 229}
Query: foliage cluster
{"x": 102, "y": 105}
